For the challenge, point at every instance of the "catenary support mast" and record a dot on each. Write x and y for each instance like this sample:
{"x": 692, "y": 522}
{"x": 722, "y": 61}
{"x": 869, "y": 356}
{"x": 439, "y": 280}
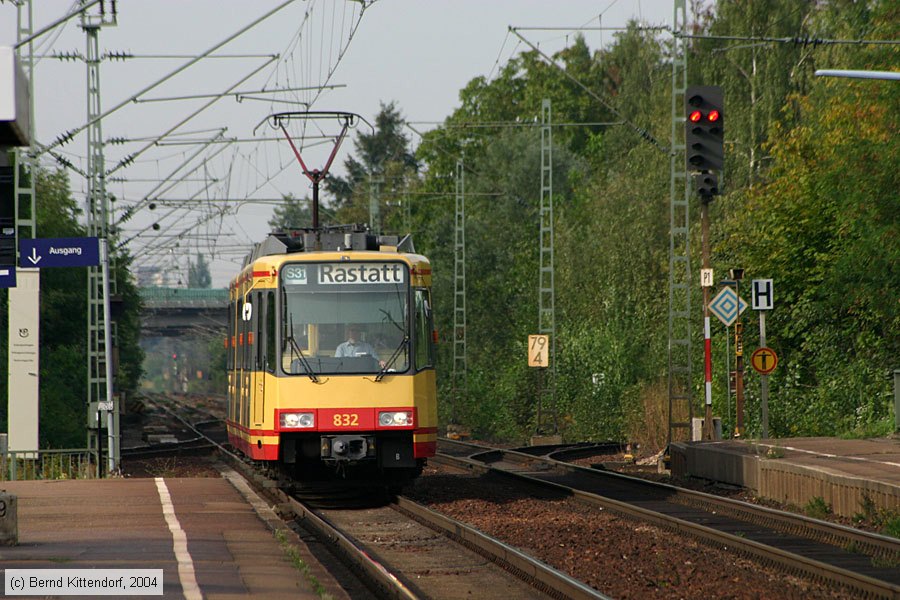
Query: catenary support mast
{"x": 460, "y": 367}
{"x": 23, "y": 362}
{"x": 100, "y": 379}
{"x": 679, "y": 326}
{"x": 547, "y": 422}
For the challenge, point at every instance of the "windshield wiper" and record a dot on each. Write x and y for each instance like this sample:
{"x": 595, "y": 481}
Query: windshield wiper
{"x": 302, "y": 358}
{"x": 404, "y": 343}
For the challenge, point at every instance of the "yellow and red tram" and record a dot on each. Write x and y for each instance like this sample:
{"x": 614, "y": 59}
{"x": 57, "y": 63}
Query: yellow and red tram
{"x": 305, "y": 392}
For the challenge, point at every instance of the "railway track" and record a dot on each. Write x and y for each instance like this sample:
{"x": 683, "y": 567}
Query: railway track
{"x": 403, "y": 550}
{"x": 400, "y": 549}
{"x": 168, "y": 432}
{"x": 864, "y": 564}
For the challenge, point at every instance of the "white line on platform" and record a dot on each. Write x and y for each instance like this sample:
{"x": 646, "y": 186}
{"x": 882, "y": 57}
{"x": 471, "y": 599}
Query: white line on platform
{"x": 827, "y": 455}
{"x": 185, "y": 565}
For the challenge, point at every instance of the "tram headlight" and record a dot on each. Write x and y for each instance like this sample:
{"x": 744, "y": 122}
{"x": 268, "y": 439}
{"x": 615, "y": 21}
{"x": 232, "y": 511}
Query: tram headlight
{"x": 402, "y": 418}
{"x": 297, "y": 420}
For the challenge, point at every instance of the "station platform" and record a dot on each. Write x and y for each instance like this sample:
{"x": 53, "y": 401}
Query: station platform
{"x": 846, "y": 474}
{"x": 213, "y": 537}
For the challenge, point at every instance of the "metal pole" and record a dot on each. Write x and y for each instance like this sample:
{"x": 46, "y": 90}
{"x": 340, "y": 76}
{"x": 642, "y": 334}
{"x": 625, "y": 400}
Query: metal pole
{"x": 728, "y": 372}
{"x": 460, "y": 361}
{"x": 681, "y": 407}
{"x": 896, "y": 399}
{"x": 107, "y": 343}
{"x": 546, "y": 279}
{"x": 707, "y": 338}
{"x": 374, "y": 205}
{"x": 764, "y": 380}
{"x": 739, "y": 367}
{"x": 315, "y": 202}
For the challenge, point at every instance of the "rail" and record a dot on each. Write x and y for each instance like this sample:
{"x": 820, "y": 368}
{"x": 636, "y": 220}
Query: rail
{"x": 709, "y": 527}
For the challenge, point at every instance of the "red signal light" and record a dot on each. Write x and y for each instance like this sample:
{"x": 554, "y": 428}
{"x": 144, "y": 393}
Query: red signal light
{"x": 695, "y": 116}
{"x": 713, "y": 116}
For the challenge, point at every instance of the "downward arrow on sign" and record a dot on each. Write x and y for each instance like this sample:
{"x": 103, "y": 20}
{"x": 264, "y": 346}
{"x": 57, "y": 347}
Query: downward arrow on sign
{"x": 34, "y": 258}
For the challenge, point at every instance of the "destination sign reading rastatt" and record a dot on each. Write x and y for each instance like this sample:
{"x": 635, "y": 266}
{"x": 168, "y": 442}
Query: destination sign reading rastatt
{"x": 365, "y": 273}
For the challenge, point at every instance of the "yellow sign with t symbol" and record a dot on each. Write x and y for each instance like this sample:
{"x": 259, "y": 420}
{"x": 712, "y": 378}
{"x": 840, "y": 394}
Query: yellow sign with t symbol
{"x": 538, "y": 350}
{"x": 764, "y": 360}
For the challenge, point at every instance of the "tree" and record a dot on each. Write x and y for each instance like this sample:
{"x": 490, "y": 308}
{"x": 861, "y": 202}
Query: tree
{"x": 292, "y": 214}
{"x": 757, "y": 78}
{"x": 826, "y": 228}
{"x": 198, "y": 273}
{"x": 383, "y": 166}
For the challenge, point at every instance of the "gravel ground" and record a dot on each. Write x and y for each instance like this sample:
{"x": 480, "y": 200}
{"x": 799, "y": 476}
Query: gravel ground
{"x": 616, "y": 555}
{"x": 619, "y": 556}
{"x": 179, "y": 466}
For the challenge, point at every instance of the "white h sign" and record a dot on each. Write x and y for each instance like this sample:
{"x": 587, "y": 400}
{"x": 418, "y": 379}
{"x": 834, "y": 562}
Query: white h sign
{"x": 762, "y": 295}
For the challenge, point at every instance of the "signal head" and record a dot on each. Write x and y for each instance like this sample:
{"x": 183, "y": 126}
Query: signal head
{"x": 703, "y": 132}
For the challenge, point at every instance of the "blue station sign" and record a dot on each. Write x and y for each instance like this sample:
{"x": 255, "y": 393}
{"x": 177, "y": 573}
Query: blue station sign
{"x": 7, "y": 277}
{"x": 39, "y": 253}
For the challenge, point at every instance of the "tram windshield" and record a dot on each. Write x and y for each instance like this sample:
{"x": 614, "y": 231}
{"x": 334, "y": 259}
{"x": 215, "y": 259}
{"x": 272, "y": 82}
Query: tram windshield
{"x": 344, "y": 318}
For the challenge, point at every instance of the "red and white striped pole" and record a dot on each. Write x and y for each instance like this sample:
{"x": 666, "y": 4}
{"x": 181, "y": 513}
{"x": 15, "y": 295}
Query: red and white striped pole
{"x": 707, "y": 358}
{"x": 706, "y": 282}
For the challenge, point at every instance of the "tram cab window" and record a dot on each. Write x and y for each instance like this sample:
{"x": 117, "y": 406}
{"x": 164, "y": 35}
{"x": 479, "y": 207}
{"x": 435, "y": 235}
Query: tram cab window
{"x": 322, "y": 302}
{"x": 424, "y": 326}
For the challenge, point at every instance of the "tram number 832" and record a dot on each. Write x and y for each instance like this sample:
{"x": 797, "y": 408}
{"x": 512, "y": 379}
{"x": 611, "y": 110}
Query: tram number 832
{"x": 345, "y": 420}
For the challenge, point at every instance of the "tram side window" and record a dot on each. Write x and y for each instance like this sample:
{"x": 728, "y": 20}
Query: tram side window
{"x": 238, "y": 337}
{"x": 423, "y": 328}
{"x": 270, "y": 333}
{"x": 258, "y": 327}
{"x": 229, "y": 348}
{"x": 245, "y": 330}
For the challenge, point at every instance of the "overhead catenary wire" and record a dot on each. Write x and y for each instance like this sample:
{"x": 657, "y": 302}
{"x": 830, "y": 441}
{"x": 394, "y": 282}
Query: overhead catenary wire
{"x": 796, "y": 40}
{"x": 643, "y": 133}
{"x": 67, "y": 136}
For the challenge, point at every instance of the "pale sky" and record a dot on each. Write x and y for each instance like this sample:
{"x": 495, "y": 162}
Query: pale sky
{"x": 417, "y": 53}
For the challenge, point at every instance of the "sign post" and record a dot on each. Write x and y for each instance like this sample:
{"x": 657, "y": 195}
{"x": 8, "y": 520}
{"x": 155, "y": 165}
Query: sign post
{"x": 37, "y": 253}
{"x": 728, "y": 306}
{"x": 763, "y": 301}
{"x": 539, "y": 356}
{"x": 706, "y": 282}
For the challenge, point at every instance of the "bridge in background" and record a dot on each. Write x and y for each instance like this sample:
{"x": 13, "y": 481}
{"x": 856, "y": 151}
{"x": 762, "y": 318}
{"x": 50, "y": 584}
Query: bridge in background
{"x": 176, "y": 311}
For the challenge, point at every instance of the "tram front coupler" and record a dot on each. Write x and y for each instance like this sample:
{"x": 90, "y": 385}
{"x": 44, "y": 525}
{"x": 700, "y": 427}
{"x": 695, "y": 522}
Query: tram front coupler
{"x": 347, "y": 447}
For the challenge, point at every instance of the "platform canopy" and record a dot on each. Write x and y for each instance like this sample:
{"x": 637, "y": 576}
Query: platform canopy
{"x": 15, "y": 116}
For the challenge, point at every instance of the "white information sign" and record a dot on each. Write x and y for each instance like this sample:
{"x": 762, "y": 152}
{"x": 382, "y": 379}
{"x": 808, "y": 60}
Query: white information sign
{"x": 762, "y": 297}
{"x": 24, "y": 361}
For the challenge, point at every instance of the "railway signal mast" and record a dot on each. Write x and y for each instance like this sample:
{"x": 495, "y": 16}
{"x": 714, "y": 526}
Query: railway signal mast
{"x": 704, "y": 154}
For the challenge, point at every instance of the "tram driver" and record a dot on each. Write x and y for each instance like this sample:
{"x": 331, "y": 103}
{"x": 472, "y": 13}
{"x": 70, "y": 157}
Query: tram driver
{"x": 355, "y": 346}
